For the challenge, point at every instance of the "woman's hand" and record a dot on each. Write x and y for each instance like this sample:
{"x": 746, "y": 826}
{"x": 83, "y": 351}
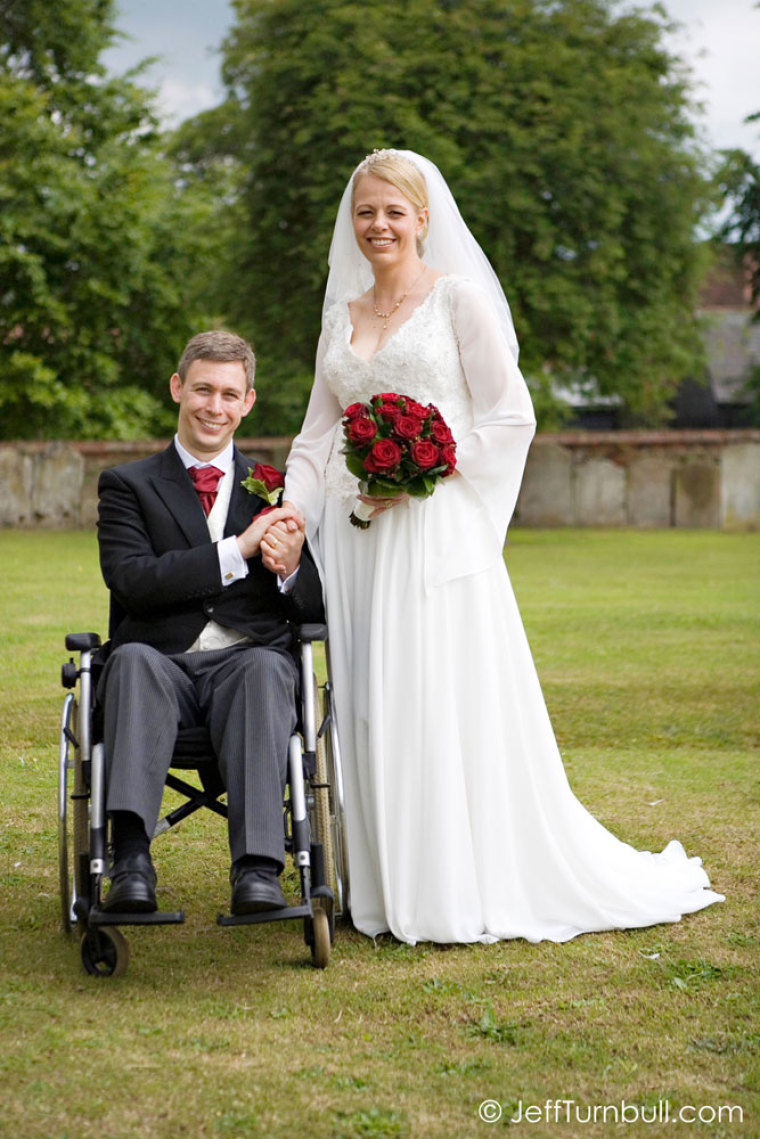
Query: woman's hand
{"x": 281, "y": 547}
{"x": 250, "y": 540}
{"x": 382, "y": 503}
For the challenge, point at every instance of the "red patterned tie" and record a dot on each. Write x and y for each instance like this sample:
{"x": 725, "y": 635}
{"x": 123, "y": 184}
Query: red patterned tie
{"x": 206, "y": 481}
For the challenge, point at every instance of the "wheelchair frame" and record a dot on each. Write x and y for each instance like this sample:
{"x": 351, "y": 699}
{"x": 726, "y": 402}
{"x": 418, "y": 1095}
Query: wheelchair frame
{"x": 313, "y": 815}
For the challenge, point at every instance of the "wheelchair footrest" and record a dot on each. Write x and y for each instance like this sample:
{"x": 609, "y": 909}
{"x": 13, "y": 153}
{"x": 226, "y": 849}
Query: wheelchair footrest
{"x": 284, "y": 914}
{"x": 100, "y": 917}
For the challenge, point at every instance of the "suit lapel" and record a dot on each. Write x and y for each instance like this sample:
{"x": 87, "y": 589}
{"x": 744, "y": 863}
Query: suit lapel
{"x": 243, "y": 506}
{"x": 175, "y": 487}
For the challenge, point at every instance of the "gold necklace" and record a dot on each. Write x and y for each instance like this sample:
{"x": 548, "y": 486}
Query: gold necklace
{"x": 386, "y": 316}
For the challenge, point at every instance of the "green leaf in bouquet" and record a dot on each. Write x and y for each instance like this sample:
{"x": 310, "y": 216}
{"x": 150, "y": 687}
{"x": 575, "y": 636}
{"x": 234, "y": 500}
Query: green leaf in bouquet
{"x": 355, "y": 466}
{"x": 385, "y": 488}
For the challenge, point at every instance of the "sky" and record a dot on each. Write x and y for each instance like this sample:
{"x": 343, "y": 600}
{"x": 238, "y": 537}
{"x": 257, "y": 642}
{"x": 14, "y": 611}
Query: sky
{"x": 720, "y": 39}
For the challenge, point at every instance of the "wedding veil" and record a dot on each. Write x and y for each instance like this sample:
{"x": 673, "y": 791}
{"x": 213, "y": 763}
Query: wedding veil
{"x": 449, "y": 247}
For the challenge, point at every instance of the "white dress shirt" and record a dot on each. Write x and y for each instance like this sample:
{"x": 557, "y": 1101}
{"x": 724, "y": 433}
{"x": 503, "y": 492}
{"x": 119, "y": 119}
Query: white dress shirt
{"x": 232, "y": 565}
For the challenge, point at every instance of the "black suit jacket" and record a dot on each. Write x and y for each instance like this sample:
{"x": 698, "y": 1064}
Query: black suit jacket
{"x": 162, "y": 568}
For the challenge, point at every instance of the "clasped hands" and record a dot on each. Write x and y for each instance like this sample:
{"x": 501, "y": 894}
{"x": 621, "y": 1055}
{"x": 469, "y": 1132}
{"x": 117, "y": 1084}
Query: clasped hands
{"x": 278, "y": 535}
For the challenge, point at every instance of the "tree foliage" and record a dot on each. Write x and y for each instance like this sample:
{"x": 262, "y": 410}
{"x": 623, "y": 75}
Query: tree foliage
{"x": 96, "y": 261}
{"x": 739, "y": 180}
{"x": 562, "y": 127}
{"x": 563, "y": 130}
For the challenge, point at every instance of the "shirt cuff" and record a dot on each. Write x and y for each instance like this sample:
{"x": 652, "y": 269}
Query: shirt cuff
{"x": 232, "y": 565}
{"x": 286, "y": 586}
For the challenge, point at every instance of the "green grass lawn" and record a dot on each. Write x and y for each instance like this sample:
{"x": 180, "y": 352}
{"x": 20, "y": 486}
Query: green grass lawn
{"x": 648, "y": 648}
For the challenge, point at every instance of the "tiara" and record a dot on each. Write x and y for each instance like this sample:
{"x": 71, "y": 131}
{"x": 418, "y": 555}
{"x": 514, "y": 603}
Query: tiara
{"x": 378, "y": 155}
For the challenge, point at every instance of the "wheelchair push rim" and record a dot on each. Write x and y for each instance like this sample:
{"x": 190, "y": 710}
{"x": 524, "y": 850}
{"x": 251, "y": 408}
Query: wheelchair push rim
{"x": 328, "y": 803}
{"x": 72, "y": 815}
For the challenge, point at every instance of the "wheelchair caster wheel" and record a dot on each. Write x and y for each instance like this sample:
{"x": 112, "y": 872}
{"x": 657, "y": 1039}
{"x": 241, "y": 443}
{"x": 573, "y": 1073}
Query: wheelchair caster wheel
{"x": 105, "y": 952}
{"x": 320, "y": 940}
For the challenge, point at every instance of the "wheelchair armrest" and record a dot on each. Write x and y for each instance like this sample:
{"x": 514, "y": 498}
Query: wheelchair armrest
{"x": 81, "y": 642}
{"x": 309, "y": 633}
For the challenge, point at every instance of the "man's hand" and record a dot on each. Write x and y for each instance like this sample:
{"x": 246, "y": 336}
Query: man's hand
{"x": 281, "y": 547}
{"x": 250, "y": 540}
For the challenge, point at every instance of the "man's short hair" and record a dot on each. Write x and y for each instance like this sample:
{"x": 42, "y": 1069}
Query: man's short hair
{"x": 219, "y": 345}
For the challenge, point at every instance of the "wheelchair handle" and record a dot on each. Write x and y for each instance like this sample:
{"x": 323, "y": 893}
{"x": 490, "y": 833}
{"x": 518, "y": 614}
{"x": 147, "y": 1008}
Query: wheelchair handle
{"x": 82, "y": 642}
{"x": 309, "y": 633}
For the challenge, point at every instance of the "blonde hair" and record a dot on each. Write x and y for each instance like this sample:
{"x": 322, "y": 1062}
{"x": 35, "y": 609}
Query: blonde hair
{"x": 400, "y": 172}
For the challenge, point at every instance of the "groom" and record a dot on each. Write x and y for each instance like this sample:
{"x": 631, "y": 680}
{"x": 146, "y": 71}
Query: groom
{"x": 204, "y": 580}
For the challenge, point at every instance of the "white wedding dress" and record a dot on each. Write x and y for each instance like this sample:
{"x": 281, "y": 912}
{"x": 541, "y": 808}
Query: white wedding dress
{"x": 461, "y": 824}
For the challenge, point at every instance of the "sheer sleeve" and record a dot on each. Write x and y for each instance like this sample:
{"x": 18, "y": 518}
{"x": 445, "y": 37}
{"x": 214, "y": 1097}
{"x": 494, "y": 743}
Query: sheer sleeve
{"x": 305, "y": 468}
{"x": 467, "y": 525}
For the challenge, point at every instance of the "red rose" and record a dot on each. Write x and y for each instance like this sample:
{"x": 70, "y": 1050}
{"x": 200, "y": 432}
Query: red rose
{"x": 408, "y": 426}
{"x": 362, "y": 430}
{"x": 265, "y": 482}
{"x": 353, "y": 410}
{"x": 387, "y": 411}
{"x": 416, "y": 409}
{"x": 386, "y": 397}
{"x": 270, "y": 476}
{"x": 425, "y": 454}
{"x": 384, "y": 457}
{"x": 449, "y": 456}
{"x": 440, "y": 432}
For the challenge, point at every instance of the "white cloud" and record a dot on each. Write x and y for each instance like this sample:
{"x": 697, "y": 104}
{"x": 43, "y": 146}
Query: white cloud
{"x": 179, "y": 100}
{"x": 720, "y": 39}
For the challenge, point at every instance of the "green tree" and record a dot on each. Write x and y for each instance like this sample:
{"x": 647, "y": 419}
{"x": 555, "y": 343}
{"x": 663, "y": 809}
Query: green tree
{"x": 563, "y": 129}
{"x": 96, "y": 254}
{"x": 739, "y": 181}
{"x": 208, "y": 180}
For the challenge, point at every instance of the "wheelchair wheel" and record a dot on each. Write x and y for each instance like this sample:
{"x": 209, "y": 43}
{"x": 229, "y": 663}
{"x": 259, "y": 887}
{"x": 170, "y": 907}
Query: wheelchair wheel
{"x": 319, "y": 938}
{"x": 322, "y": 797}
{"x": 328, "y": 802}
{"x": 104, "y": 951}
{"x": 73, "y": 817}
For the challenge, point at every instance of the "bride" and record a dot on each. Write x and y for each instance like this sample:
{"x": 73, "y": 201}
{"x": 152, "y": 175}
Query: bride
{"x": 460, "y": 821}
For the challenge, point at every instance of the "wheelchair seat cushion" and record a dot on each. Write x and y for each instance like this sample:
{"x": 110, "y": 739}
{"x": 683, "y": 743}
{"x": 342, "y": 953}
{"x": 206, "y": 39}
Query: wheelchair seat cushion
{"x": 193, "y": 748}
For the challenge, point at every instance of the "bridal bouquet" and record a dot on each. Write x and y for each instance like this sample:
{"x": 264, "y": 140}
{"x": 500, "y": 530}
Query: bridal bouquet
{"x": 395, "y": 445}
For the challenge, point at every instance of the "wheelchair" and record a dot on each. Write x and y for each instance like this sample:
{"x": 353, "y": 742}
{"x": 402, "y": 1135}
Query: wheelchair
{"x": 312, "y": 813}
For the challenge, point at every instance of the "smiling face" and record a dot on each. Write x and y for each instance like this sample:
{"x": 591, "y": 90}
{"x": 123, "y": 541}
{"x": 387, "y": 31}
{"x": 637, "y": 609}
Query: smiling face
{"x": 386, "y": 223}
{"x": 212, "y": 401}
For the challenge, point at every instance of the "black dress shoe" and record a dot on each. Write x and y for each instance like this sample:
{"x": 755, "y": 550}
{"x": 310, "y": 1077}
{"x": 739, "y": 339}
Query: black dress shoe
{"x": 255, "y": 890}
{"x": 133, "y": 886}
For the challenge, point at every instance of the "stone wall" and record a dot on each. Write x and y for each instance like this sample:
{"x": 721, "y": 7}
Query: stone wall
{"x": 41, "y": 484}
{"x": 696, "y": 479}
{"x": 55, "y": 485}
{"x": 645, "y": 479}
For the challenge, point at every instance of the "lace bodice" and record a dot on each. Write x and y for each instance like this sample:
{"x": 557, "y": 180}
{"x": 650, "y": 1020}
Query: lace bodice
{"x": 450, "y": 352}
{"x": 420, "y": 360}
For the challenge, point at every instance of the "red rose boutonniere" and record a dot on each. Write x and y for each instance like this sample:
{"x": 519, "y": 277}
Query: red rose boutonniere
{"x": 267, "y": 482}
{"x": 395, "y": 445}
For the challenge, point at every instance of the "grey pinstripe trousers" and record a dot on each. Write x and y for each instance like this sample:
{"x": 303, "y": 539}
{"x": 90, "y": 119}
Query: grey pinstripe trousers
{"x": 246, "y": 697}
